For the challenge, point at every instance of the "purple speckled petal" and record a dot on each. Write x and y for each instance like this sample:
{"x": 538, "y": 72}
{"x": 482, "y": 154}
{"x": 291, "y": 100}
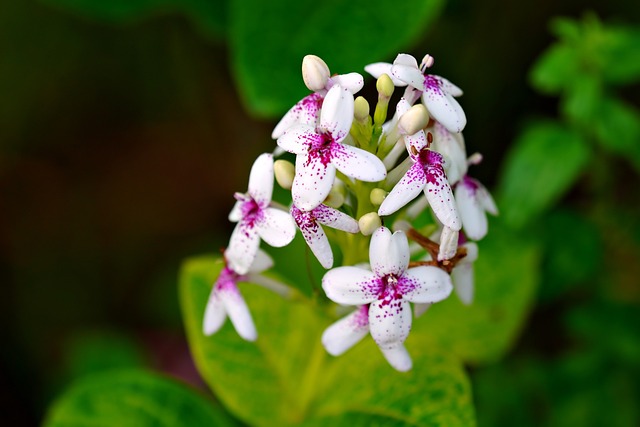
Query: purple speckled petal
{"x": 351, "y": 285}
{"x": 353, "y": 82}
{"x": 398, "y": 357}
{"x": 238, "y": 312}
{"x": 408, "y": 74}
{"x": 335, "y": 219}
{"x": 261, "y": 263}
{"x": 406, "y": 59}
{"x": 405, "y": 190}
{"x": 388, "y": 253}
{"x": 277, "y": 227}
{"x": 462, "y": 277}
{"x": 474, "y": 219}
{"x": 442, "y": 106}
{"x": 337, "y": 113}
{"x": 441, "y": 198}
{"x": 313, "y": 181}
{"x": 449, "y": 87}
{"x": 425, "y": 284}
{"x": 243, "y": 246}
{"x": 357, "y": 163}
{"x": 379, "y": 68}
{"x": 346, "y": 332}
{"x": 306, "y": 111}
{"x": 451, "y": 146}
{"x": 214, "y": 314}
{"x": 298, "y": 139}
{"x": 314, "y": 235}
{"x": 389, "y": 321}
{"x": 261, "y": 179}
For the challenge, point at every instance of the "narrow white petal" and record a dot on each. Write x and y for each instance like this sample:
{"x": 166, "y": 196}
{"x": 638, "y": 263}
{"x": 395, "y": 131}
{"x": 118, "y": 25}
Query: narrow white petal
{"x": 388, "y": 253}
{"x": 236, "y": 212}
{"x": 406, "y": 59}
{"x": 449, "y": 87}
{"x": 392, "y": 158}
{"x": 398, "y": 357}
{"x": 389, "y": 321}
{"x": 379, "y": 68}
{"x": 277, "y": 227}
{"x": 353, "y": 82}
{"x": 408, "y": 74}
{"x": 314, "y": 235}
{"x": 448, "y": 243}
{"x": 462, "y": 276}
{"x": 444, "y": 108}
{"x": 357, "y": 163}
{"x": 214, "y": 314}
{"x": 451, "y": 146}
{"x": 313, "y": 181}
{"x": 243, "y": 246}
{"x": 346, "y": 332}
{"x": 336, "y": 115}
{"x": 425, "y": 284}
{"x": 405, "y": 190}
{"x": 415, "y": 143}
{"x": 298, "y": 139}
{"x": 485, "y": 199}
{"x": 351, "y": 285}
{"x": 402, "y": 107}
{"x": 335, "y": 219}
{"x": 441, "y": 198}
{"x": 472, "y": 253}
{"x": 420, "y": 309}
{"x": 238, "y": 312}
{"x": 269, "y": 283}
{"x": 474, "y": 219}
{"x": 306, "y": 111}
{"x": 261, "y": 263}
{"x": 261, "y": 179}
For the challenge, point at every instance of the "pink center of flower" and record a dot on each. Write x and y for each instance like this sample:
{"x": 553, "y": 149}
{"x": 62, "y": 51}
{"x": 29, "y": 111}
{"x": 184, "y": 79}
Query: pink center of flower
{"x": 251, "y": 212}
{"x": 228, "y": 279}
{"x": 431, "y": 82}
{"x": 432, "y": 162}
{"x": 321, "y": 148}
{"x": 390, "y": 291}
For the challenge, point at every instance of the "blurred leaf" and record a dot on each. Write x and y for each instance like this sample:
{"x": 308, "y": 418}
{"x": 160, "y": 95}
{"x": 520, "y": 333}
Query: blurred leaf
{"x": 506, "y": 279}
{"x": 544, "y": 162}
{"x": 287, "y": 378}
{"x": 555, "y": 69}
{"x": 582, "y": 99}
{"x": 618, "y": 129}
{"x": 269, "y": 40}
{"x": 133, "y": 398}
{"x": 619, "y": 54}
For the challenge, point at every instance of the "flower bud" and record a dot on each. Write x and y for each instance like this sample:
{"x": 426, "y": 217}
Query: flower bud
{"x": 315, "y": 72}
{"x": 361, "y": 109}
{"x": 414, "y": 120}
{"x": 284, "y": 172}
{"x": 448, "y": 244}
{"x": 376, "y": 196}
{"x": 384, "y": 85}
{"x": 369, "y": 223}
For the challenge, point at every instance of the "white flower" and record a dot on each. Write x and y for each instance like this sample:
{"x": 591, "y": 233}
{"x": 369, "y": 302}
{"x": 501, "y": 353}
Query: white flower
{"x": 346, "y": 332}
{"x": 462, "y": 274}
{"x": 388, "y": 289}
{"x": 320, "y": 152}
{"x": 225, "y": 298}
{"x": 451, "y": 146}
{"x": 309, "y": 224}
{"x": 257, "y": 219}
{"x": 437, "y": 92}
{"x": 473, "y": 201}
{"x": 426, "y": 173}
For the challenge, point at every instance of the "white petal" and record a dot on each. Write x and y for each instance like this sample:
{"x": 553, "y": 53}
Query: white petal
{"x": 398, "y": 357}
{"x": 353, "y": 82}
{"x": 485, "y": 199}
{"x": 236, "y": 212}
{"x": 238, "y": 312}
{"x": 346, "y": 332}
{"x": 451, "y": 146}
{"x": 420, "y": 309}
{"x": 379, "y": 68}
{"x": 462, "y": 276}
{"x": 351, "y": 285}
{"x": 306, "y": 111}
{"x": 449, "y": 87}
{"x": 357, "y": 163}
{"x": 388, "y": 253}
{"x": 415, "y": 143}
{"x": 444, "y": 108}
{"x": 277, "y": 227}
{"x": 261, "y": 179}
{"x": 313, "y": 181}
{"x": 314, "y": 235}
{"x": 214, "y": 314}
{"x": 298, "y": 139}
{"x": 441, "y": 198}
{"x": 243, "y": 246}
{"x": 336, "y": 115}
{"x": 389, "y": 321}
{"x": 474, "y": 219}
{"x": 472, "y": 253}
{"x": 406, "y": 59}
{"x": 425, "y": 284}
{"x": 269, "y": 283}
{"x": 261, "y": 263}
{"x": 448, "y": 243}
{"x": 404, "y": 191}
{"x": 335, "y": 219}
{"x": 402, "y": 107}
{"x": 408, "y": 74}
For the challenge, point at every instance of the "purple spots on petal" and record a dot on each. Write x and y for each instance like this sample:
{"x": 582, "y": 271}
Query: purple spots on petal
{"x": 227, "y": 281}
{"x": 360, "y": 319}
{"x": 305, "y": 221}
{"x": 308, "y": 109}
{"x": 470, "y": 184}
{"x": 433, "y": 84}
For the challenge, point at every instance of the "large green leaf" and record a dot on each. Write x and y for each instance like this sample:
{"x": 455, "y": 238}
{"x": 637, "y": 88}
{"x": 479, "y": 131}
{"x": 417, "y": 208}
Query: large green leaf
{"x": 542, "y": 165}
{"x": 287, "y": 378}
{"x": 618, "y": 129}
{"x": 506, "y": 279}
{"x": 269, "y": 40}
{"x": 555, "y": 69}
{"x": 135, "y": 399}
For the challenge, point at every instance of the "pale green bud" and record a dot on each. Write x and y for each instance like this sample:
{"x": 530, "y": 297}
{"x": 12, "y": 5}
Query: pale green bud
{"x": 414, "y": 120}
{"x": 376, "y": 196}
{"x": 315, "y": 72}
{"x": 369, "y": 223}
{"x": 284, "y": 172}
{"x": 385, "y": 86}
{"x": 361, "y": 109}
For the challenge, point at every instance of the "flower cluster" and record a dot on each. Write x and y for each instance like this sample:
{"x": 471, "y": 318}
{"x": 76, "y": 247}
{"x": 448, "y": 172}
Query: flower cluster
{"x": 353, "y": 173}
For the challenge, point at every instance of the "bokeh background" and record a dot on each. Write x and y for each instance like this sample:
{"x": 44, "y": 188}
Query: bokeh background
{"x": 123, "y": 139}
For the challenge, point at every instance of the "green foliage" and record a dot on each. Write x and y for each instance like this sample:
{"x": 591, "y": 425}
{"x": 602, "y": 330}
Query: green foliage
{"x": 543, "y": 164}
{"x": 133, "y": 398}
{"x": 617, "y": 129}
{"x": 287, "y": 378}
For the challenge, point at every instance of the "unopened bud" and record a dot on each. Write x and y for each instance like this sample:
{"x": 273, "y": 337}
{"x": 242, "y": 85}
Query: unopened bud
{"x": 448, "y": 243}
{"x": 315, "y": 72}
{"x": 369, "y": 223}
{"x": 360, "y": 109}
{"x": 414, "y": 120}
{"x": 427, "y": 62}
{"x": 474, "y": 159}
{"x": 377, "y": 196}
{"x": 284, "y": 172}
{"x": 384, "y": 85}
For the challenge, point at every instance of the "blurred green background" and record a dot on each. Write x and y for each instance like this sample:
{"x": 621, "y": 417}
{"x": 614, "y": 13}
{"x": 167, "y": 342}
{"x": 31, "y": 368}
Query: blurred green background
{"x": 123, "y": 136}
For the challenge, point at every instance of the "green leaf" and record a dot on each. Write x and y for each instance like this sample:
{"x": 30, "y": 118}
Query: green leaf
{"x": 544, "y": 162}
{"x": 287, "y": 378}
{"x": 619, "y": 54}
{"x": 269, "y": 40}
{"x": 135, "y": 399}
{"x": 582, "y": 99}
{"x": 618, "y": 129}
{"x": 556, "y": 69}
{"x": 507, "y": 274}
